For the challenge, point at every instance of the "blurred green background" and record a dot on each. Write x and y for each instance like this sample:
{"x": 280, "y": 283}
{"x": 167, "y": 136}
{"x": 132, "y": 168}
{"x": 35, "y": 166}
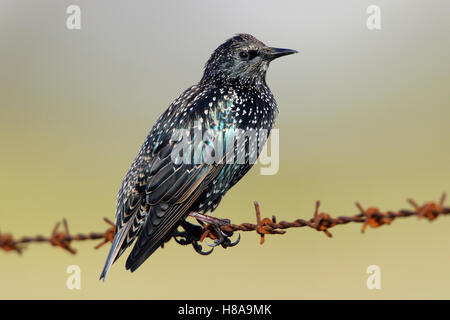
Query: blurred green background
{"x": 364, "y": 116}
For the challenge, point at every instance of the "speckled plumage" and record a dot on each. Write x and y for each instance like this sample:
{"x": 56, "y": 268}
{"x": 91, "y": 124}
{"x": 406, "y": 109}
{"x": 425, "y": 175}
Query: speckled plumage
{"x": 157, "y": 193}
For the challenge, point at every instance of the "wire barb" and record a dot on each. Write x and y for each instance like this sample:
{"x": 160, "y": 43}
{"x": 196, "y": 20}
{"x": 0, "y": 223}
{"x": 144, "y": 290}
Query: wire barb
{"x": 369, "y": 217}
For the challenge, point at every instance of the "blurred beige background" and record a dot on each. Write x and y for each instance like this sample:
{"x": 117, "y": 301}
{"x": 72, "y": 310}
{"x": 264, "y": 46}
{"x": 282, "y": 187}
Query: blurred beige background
{"x": 364, "y": 116}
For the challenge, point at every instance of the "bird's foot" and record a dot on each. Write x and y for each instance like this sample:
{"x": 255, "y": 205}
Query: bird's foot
{"x": 191, "y": 235}
{"x": 220, "y": 237}
{"x": 212, "y": 230}
{"x": 209, "y": 227}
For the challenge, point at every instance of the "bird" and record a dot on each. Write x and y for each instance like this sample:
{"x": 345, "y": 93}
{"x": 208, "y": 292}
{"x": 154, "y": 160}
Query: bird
{"x": 160, "y": 190}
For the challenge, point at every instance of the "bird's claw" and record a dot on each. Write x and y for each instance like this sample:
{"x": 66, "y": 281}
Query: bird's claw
{"x": 181, "y": 238}
{"x": 232, "y": 244}
{"x": 191, "y": 235}
{"x": 194, "y": 234}
{"x": 223, "y": 238}
{"x": 199, "y": 249}
{"x": 187, "y": 240}
{"x": 213, "y": 245}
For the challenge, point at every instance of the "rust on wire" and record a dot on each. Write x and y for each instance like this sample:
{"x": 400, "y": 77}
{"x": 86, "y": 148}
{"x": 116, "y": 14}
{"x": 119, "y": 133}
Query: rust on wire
{"x": 57, "y": 238}
{"x": 370, "y": 217}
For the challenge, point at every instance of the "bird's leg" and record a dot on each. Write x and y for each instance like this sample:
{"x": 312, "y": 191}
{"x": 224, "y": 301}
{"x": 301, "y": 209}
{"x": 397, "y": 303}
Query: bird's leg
{"x": 209, "y": 219}
{"x": 214, "y": 231}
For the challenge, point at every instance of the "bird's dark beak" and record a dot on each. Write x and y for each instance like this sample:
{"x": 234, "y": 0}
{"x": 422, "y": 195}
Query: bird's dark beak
{"x": 279, "y": 52}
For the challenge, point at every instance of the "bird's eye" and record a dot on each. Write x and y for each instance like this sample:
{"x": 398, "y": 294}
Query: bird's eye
{"x": 248, "y": 55}
{"x": 243, "y": 54}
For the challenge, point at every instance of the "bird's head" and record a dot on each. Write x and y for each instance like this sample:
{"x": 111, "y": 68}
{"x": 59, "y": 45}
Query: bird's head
{"x": 242, "y": 58}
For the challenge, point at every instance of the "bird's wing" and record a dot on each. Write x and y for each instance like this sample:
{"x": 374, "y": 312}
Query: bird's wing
{"x": 169, "y": 194}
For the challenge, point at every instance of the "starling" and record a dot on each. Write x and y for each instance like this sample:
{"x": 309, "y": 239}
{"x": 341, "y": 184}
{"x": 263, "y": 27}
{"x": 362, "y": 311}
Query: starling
{"x": 161, "y": 189}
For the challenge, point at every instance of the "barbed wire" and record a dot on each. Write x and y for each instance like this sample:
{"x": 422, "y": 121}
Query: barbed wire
{"x": 322, "y": 222}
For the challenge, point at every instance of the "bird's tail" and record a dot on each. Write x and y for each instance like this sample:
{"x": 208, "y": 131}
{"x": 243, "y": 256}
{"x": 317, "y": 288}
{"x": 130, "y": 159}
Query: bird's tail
{"x": 115, "y": 247}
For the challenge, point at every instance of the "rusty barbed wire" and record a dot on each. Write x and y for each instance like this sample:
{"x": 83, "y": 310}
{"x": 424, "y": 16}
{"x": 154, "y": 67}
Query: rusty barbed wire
{"x": 370, "y": 216}
{"x": 58, "y": 238}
